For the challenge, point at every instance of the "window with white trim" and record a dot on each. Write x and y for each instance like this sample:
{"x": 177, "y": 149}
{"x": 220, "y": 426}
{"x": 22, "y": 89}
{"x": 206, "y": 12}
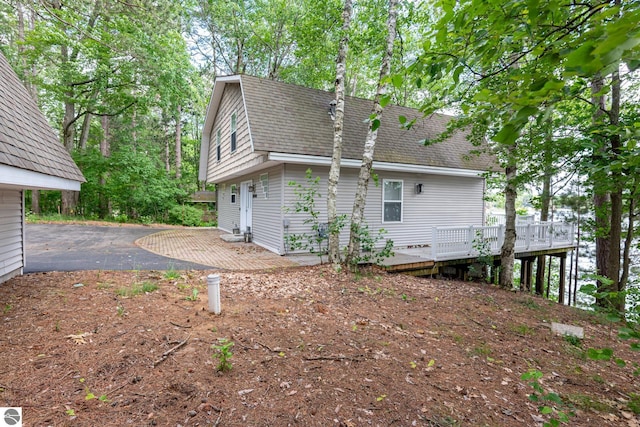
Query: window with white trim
{"x": 234, "y": 193}
{"x": 218, "y": 145}
{"x": 392, "y": 200}
{"x": 234, "y": 129}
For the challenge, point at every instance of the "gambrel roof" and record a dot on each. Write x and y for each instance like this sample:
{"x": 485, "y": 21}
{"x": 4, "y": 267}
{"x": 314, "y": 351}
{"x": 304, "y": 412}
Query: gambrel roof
{"x": 31, "y": 154}
{"x": 291, "y": 119}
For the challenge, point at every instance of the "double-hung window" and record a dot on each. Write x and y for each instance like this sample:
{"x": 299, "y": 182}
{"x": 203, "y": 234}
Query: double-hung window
{"x": 234, "y": 128}
{"x": 218, "y": 145}
{"x": 392, "y": 200}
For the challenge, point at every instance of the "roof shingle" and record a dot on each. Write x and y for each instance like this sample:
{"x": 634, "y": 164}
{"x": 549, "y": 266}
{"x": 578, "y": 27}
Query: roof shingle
{"x": 27, "y": 141}
{"x": 293, "y": 119}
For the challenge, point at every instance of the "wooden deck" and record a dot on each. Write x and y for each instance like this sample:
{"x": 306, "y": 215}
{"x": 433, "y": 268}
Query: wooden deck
{"x": 455, "y": 248}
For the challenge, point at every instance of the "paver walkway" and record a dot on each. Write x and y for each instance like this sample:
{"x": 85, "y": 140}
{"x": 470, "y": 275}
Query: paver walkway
{"x": 204, "y": 246}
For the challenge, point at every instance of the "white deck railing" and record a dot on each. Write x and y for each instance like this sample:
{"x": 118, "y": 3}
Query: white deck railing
{"x": 468, "y": 242}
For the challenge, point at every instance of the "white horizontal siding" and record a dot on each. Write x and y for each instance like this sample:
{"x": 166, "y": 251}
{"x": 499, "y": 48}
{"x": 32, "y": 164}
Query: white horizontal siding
{"x": 228, "y": 213}
{"x": 11, "y": 234}
{"x": 444, "y": 201}
{"x": 267, "y": 210}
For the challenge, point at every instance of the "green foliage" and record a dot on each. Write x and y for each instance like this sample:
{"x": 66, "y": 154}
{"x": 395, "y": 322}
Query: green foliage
{"x": 137, "y": 289}
{"x": 485, "y": 258}
{"x": 171, "y": 274}
{"x": 628, "y": 331}
{"x": 305, "y": 204}
{"x": 185, "y": 215}
{"x": 140, "y": 190}
{"x": 370, "y": 252}
{"x": 550, "y": 403}
{"x": 634, "y": 403}
{"x": 573, "y": 340}
{"x": 193, "y": 296}
{"x": 224, "y": 354}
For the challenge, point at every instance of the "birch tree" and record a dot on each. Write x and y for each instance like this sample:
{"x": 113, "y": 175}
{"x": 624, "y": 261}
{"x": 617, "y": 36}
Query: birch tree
{"x": 357, "y": 215}
{"x": 334, "y": 171}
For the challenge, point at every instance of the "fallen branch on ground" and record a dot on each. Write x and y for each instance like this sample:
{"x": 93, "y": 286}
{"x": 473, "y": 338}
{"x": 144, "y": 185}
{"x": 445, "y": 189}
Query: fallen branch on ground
{"x": 355, "y": 358}
{"x": 171, "y": 350}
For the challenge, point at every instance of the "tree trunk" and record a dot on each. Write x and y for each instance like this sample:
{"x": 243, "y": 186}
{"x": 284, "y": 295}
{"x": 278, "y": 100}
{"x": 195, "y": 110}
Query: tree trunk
{"x": 105, "y": 150}
{"x": 334, "y": 171}
{"x": 35, "y": 194}
{"x": 134, "y": 131}
{"x": 179, "y": 143}
{"x": 601, "y": 196}
{"x": 353, "y": 250}
{"x": 507, "y": 252}
{"x": 628, "y": 242}
{"x": 69, "y": 199}
{"x": 613, "y": 262}
{"x": 545, "y": 202}
{"x": 84, "y": 133}
{"x": 167, "y": 151}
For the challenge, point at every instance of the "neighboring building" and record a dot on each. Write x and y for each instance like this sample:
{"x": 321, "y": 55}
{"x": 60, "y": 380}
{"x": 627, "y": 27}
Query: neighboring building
{"x": 31, "y": 157}
{"x": 259, "y": 135}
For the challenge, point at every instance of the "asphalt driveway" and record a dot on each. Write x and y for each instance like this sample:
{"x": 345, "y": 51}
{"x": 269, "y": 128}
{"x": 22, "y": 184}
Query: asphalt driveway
{"x": 71, "y": 247}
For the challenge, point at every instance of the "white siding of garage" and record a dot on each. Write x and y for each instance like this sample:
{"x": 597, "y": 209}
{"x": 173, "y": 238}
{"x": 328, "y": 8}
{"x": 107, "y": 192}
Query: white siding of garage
{"x": 11, "y": 234}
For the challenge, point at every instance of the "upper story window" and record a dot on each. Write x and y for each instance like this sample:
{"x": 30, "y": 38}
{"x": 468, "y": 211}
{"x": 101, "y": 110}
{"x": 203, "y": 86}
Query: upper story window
{"x": 234, "y": 128}
{"x": 218, "y": 145}
{"x": 392, "y": 201}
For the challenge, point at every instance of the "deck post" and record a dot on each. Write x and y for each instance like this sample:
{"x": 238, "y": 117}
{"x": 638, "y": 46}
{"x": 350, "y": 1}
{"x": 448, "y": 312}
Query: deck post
{"x": 434, "y": 243}
{"x": 550, "y": 229}
{"x": 528, "y": 239}
{"x": 470, "y": 241}
{"x": 563, "y": 262}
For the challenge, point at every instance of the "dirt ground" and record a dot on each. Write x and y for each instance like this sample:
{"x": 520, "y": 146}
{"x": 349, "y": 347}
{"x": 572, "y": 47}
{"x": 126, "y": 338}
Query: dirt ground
{"x": 311, "y": 348}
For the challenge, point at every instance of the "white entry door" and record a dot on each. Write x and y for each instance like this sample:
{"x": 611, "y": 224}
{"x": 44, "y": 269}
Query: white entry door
{"x": 246, "y": 199}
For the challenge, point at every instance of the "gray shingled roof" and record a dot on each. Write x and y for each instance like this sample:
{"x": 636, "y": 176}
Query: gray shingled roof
{"x": 27, "y": 141}
{"x": 293, "y": 119}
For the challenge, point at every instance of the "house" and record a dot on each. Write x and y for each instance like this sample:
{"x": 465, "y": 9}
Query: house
{"x": 259, "y": 135}
{"x": 31, "y": 157}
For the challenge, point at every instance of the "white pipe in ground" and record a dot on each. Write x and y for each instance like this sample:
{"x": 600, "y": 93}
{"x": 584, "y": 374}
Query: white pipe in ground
{"x": 213, "y": 289}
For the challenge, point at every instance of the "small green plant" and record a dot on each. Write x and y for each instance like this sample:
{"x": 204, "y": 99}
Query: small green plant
{"x": 482, "y": 246}
{"x": 70, "y": 412}
{"x": 634, "y": 403}
{"x": 120, "y": 310}
{"x": 57, "y": 327}
{"x": 522, "y": 330}
{"x": 587, "y": 403}
{"x": 370, "y": 251}
{"x": 7, "y": 308}
{"x": 406, "y": 298}
{"x": 550, "y": 403}
{"x": 482, "y": 350}
{"x": 573, "y": 340}
{"x": 529, "y": 303}
{"x": 137, "y": 289}
{"x": 224, "y": 354}
{"x": 171, "y": 274}
{"x": 193, "y": 296}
